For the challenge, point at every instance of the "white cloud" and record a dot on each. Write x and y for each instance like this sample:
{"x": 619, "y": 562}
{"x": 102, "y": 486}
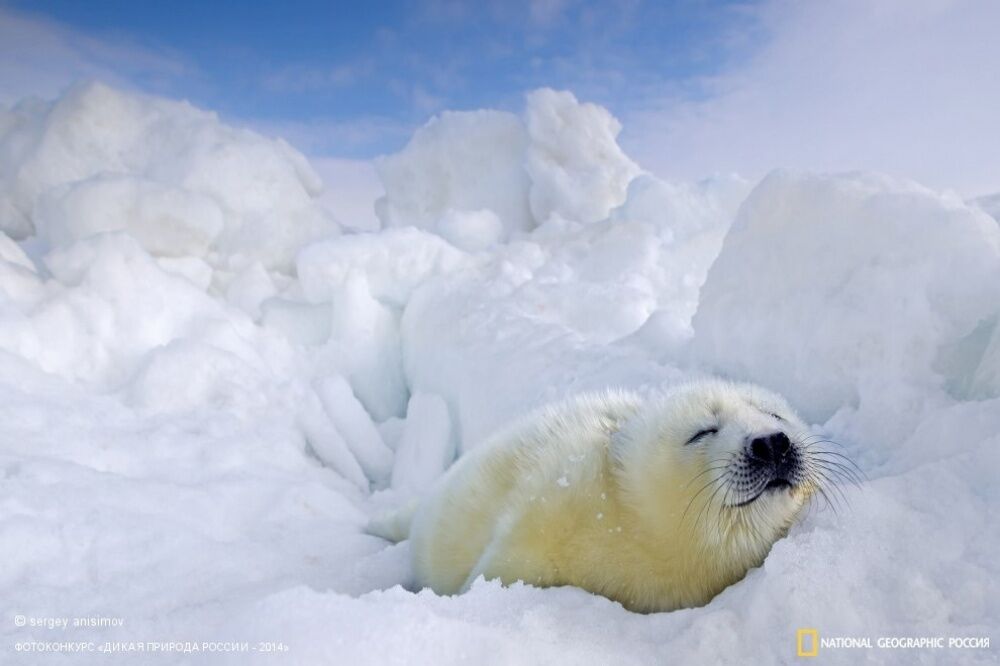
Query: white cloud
{"x": 903, "y": 86}
{"x": 41, "y": 57}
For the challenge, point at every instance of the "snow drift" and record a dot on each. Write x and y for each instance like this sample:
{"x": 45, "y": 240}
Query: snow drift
{"x": 178, "y": 180}
{"x": 560, "y": 161}
{"x": 842, "y": 269}
{"x": 206, "y": 389}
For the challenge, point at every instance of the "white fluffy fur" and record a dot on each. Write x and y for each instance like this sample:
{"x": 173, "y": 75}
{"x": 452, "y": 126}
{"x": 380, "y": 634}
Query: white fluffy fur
{"x": 604, "y": 493}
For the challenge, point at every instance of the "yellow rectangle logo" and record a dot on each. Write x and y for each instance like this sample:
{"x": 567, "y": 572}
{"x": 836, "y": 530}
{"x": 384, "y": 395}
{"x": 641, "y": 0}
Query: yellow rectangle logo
{"x": 800, "y": 636}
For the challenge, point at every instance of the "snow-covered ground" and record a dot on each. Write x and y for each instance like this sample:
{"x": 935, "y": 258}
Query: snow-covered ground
{"x": 208, "y": 384}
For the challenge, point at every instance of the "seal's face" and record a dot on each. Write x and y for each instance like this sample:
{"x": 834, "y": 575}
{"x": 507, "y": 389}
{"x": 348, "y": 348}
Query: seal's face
{"x": 755, "y": 446}
{"x": 714, "y": 473}
{"x": 731, "y": 465}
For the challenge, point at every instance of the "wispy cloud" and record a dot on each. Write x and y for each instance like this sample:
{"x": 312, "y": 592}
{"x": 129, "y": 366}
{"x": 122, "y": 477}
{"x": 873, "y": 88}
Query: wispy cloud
{"x": 904, "y": 86}
{"x": 897, "y": 85}
{"x": 41, "y": 57}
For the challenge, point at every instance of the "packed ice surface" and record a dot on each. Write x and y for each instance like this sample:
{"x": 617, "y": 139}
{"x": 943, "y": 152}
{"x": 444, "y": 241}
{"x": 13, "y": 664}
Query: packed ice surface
{"x": 859, "y": 333}
{"x": 177, "y": 179}
{"x": 560, "y": 161}
{"x": 463, "y": 161}
{"x": 206, "y": 390}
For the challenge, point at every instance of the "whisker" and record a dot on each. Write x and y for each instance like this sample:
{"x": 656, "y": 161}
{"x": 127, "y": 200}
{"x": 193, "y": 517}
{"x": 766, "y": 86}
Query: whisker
{"x": 695, "y": 496}
{"x": 708, "y": 503}
{"x": 848, "y": 466}
{"x": 816, "y": 439}
{"x": 841, "y": 470}
{"x": 830, "y": 485}
{"x": 826, "y": 497}
{"x": 706, "y": 471}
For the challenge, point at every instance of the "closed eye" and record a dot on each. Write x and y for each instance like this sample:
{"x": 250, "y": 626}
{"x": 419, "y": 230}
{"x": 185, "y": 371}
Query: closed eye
{"x": 701, "y": 434}
{"x": 772, "y": 414}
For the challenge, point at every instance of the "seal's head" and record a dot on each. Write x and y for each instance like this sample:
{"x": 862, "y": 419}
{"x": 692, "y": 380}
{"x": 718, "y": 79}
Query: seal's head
{"x": 759, "y": 467}
{"x": 724, "y": 468}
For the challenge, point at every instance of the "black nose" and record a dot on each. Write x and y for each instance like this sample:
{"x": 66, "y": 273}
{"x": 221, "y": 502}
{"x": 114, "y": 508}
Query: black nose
{"x": 770, "y": 448}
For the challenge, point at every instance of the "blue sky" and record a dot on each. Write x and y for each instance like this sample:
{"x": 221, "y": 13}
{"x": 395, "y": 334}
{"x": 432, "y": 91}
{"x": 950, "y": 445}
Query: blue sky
{"x": 370, "y": 72}
{"x": 906, "y": 87}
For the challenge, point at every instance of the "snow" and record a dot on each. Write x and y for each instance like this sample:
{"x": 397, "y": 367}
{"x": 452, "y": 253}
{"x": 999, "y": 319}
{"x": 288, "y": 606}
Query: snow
{"x": 464, "y": 161}
{"x": 13, "y": 255}
{"x": 559, "y": 159}
{"x": 354, "y": 423}
{"x": 855, "y": 331}
{"x": 181, "y": 182}
{"x": 207, "y": 388}
{"x": 577, "y": 170}
{"x": 167, "y": 221}
{"x": 426, "y": 446}
{"x": 471, "y": 230}
{"x": 393, "y": 263}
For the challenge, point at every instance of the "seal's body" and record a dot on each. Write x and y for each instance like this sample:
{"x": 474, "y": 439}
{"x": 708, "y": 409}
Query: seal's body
{"x": 656, "y": 503}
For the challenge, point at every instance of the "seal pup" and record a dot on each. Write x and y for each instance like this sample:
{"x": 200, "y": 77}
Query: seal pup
{"x": 658, "y": 503}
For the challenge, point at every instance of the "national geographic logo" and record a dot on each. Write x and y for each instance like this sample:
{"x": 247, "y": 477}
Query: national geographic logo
{"x": 808, "y": 642}
{"x": 805, "y": 637}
